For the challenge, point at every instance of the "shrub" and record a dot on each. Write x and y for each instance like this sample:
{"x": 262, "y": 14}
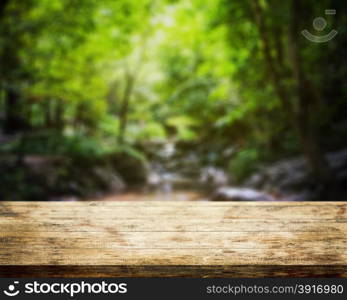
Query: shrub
{"x": 243, "y": 164}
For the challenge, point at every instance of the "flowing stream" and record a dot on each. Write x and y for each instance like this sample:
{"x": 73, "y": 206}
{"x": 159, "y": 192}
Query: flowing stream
{"x": 174, "y": 176}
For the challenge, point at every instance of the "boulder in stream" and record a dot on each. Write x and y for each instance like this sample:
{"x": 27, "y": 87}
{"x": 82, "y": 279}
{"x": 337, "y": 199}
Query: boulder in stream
{"x": 291, "y": 179}
{"x": 240, "y": 194}
{"x": 213, "y": 177}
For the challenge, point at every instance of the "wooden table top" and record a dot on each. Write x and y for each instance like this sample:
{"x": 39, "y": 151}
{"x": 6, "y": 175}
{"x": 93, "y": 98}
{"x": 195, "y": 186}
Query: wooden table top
{"x": 185, "y": 239}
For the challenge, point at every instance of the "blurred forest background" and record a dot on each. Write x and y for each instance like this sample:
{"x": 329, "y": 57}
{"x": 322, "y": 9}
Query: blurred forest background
{"x": 172, "y": 99}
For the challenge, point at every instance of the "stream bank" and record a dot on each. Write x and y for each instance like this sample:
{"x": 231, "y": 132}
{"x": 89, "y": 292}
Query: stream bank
{"x": 175, "y": 175}
{"x": 167, "y": 171}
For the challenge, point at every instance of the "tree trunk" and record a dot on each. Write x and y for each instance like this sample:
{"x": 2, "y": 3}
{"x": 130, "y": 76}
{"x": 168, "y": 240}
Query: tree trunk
{"x": 47, "y": 113}
{"x": 312, "y": 151}
{"x": 299, "y": 114}
{"x": 59, "y": 115}
{"x": 123, "y": 113}
{"x": 274, "y": 73}
{"x": 3, "y": 5}
{"x": 13, "y": 119}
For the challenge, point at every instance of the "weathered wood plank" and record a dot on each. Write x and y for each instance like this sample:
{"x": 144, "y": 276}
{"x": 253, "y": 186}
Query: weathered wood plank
{"x": 174, "y": 240}
{"x": 242, "y": 271}
{"x": 67, "y": 256}
{"x": 192, "y": 225}
{"x": 204, "y": 238}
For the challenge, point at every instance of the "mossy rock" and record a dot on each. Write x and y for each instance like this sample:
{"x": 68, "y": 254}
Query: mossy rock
{"x": 131, "y": 166}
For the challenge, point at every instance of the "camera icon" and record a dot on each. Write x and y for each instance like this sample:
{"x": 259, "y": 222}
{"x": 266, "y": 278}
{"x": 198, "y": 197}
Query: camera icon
{"x": 12, "y": 290}
{"x": 320, "y": 24}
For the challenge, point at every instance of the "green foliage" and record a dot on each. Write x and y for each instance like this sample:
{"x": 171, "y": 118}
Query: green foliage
{"x": 183, "y": 126}
{"x": 243, "y": 164}
{"x": 90, "y": 79}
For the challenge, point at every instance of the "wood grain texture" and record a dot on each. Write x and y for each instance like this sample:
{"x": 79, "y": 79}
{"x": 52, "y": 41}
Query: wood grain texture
{"x": 186, "y": 239}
